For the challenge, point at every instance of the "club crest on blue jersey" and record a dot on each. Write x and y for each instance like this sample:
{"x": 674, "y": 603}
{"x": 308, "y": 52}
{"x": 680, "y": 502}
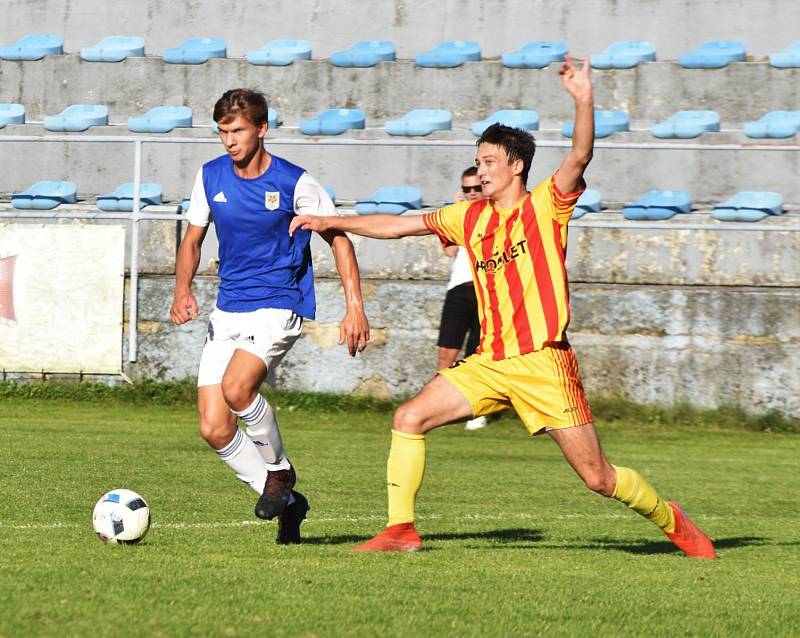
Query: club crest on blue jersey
{"x": 272, "y": 199}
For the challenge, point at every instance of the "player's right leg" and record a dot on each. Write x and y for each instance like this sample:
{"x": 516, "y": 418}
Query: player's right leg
{"x": 437, "y": 404}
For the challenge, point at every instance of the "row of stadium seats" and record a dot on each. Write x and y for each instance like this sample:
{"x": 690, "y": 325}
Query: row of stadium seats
{"x": 364, "y": 53}
{"x": 745, "y": 206}
{"x": 418, "y": 122}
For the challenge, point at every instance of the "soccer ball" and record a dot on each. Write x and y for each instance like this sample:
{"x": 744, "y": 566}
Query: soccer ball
{"x": 121, "y": 517}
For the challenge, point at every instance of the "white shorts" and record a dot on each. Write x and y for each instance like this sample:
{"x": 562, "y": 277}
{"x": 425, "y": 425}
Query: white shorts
{"x": 268, "y": 333}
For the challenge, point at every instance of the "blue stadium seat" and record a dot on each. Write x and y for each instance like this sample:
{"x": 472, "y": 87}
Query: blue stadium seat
{"x": 713, "y": 54}
{"x": 280, "y": 52}
{"x": 114, "y": 48}
{"x": 605, "y": 123}
{"x": 655, "y": 205}
{"x": 774, "y": 124}
{"x": 365, "y": 53}
{"x": 590, "y": 201}
{"x": 161, "y": 119}
{"x": 624, "y": 55}
{"x": 272, "y": 120}
{"x": 185, "y": 202}
{"x": 687, "y": 124}
{"x": 749, "y": 206}
{"x": 420, "y": 122}
{"x": 11, "y": 114}
{"x": 516, "y": 118}
{"x": 788, "y": 58}
{"x": 333, "y": 122}
{"x": 450, "y": 53}
{"x": 78, "y": 117}
{"x": 121, "y": 200}
{"x": 45, "y": 195}
{"x": 331, "y": 193}
{"x": 535, "y": 55}
{"x": 196, "y": 51}
{"x": 33, "y": 47}
{"x": 392, "y": 200}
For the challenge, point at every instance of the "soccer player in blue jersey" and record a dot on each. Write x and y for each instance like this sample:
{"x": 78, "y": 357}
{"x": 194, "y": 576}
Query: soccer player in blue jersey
{"x": 266, "y": 291}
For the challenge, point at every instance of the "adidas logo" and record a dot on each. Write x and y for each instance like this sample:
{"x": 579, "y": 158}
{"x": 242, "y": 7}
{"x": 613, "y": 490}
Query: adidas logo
{"x": 220, "y": 197}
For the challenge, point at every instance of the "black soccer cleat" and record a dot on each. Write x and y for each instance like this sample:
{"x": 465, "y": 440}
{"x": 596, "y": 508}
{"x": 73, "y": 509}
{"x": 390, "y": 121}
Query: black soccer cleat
{"x": 275, "y": 497}
{"x": 289, "y": 520}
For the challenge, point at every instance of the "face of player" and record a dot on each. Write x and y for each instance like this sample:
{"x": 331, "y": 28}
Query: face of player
{"x": 242, "y": 138}
{"x": 472, "y": 184}
{"x": 497, "y": 176}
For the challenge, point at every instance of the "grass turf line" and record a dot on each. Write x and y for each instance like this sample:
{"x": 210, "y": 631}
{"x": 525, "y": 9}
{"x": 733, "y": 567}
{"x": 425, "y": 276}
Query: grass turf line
{"x": 514, "y": 545}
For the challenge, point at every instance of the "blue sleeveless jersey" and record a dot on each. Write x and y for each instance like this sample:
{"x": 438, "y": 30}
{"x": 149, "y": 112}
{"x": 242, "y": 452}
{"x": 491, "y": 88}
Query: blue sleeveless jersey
{"x": 260, "y": 266}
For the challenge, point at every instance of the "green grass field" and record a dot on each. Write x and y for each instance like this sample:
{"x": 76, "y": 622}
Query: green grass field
{"x": 514, "y": 545}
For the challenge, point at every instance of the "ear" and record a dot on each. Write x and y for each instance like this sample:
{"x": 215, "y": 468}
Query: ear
{"x": 518, "y": 166}
{"x": 262, "y": 130}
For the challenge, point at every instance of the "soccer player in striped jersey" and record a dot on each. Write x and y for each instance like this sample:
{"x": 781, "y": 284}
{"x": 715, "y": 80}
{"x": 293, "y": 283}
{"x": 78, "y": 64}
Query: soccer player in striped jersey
{"x": 517, "y": 244}
{"x": 266, "y": 291}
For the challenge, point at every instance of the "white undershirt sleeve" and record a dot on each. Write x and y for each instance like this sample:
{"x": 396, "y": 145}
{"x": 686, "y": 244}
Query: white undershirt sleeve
{"x": 199, "y": 211}
{"x": 310, "y": 198}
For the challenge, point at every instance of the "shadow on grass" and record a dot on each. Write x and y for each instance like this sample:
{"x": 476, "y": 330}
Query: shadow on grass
{"x": 495, "y": 535}
{"x": 666, "y": 547}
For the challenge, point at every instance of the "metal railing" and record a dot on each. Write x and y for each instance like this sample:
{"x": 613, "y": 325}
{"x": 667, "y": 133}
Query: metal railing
{"x": 136, "y": 216}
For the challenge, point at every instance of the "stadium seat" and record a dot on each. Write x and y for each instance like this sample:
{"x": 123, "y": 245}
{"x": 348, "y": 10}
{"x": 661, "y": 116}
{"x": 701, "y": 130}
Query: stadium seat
{"x": 280, "y": 52}
{"x": 450, "y": 53}
{"x": 45, "y": 195}
{"x": 392, "y": 200}
{"x": 196, "y": 51}
{"x": 420, "y": 122}
{"x": 605, "y": 123}
{"x": 77, "y": 117}
{"x": 749, "y": 206}
{"x": 535, "y": 55}
{"x": 331, "y": 193}
{"x": 589, "y": 202}
{"x": 121, "y": 200}
{"x": 365, "y": 53}
{"x": 33, "y": 47}
{"x": 272, "y": 120}
{"x": 624, "y": 55}
{"x": 161, "y": 119}
{"x": 185, "y": 202}
{"x": 788, "y": 58}
{"x": 11, "y": 114}
{"x": 713, "y": 54}
{"x": 774, "y": 124}
{"x": 114, "y": 48}
{"x": 655, "y": 205}
{"x": 516, "y": 118}
{"x": 333, "y": 122}
{"x": 687, "y": 124}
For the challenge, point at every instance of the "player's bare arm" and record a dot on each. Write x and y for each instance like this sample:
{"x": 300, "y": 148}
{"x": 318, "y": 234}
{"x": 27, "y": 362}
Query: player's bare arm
{"x": 375, "y": 226}
{"x": 354, "y": 327}
{"x": 184, "y": 305}
{"x": 579, "y": 85}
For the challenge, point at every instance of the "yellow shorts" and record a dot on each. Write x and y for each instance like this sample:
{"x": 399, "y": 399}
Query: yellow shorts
{"x": 544, "y": 387}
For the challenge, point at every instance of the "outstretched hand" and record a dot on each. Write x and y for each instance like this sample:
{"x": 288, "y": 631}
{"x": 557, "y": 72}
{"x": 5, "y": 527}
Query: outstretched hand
{"x": 576, "y": 81}
{"x": 308, "y": 222}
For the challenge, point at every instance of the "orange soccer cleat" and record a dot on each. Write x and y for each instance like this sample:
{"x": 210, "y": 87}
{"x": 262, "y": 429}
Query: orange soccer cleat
{"x": 688, "y": 537}
{"x": 402, "y": 537}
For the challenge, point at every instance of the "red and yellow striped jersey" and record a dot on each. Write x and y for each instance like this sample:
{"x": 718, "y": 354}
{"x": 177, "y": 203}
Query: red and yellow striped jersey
{"x": 518, "y": 265}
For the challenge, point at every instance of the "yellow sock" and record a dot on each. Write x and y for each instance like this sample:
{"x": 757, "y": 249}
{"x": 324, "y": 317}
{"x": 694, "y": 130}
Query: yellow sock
{"x": 640, "y": 496}
{"x": 404, "y": 472}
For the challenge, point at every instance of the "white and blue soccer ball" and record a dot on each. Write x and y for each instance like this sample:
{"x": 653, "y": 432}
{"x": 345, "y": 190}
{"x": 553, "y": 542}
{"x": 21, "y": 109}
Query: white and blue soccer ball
{"x": 121, "y": 517}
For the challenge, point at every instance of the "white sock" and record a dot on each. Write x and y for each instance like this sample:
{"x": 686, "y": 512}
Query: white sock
{"x": 262, "y": 430}
{"x": 242, "y": 456}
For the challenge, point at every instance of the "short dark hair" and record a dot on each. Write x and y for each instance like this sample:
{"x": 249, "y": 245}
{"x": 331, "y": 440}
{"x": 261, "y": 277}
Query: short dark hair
{"x": 518, "y": 144}
{"x": 470, "y": 172}
{"x": 248, "y": 102}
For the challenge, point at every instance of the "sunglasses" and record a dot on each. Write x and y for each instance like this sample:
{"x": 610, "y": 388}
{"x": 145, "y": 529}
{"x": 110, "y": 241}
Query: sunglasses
{"x": 472, "y": 189}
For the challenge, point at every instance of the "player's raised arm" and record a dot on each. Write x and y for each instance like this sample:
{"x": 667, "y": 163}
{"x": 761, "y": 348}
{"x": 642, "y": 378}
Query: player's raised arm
{"x": 375, "y": 226}
{"x": 579, "y": 86}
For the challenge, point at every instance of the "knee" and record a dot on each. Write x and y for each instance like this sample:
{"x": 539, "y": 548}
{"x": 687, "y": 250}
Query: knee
{"x": 217, "y": 432}
{"x": 236, "y": 395}
{"x": 407, "y": 420}
{"x": 602, "y": 480}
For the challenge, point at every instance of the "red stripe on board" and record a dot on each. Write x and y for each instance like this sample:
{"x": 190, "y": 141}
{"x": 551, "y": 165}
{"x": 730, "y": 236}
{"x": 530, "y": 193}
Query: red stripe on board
{"x": 541, "y": 269}
{"x": 519, "y": 313}
{"x": 487, "y": 249}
